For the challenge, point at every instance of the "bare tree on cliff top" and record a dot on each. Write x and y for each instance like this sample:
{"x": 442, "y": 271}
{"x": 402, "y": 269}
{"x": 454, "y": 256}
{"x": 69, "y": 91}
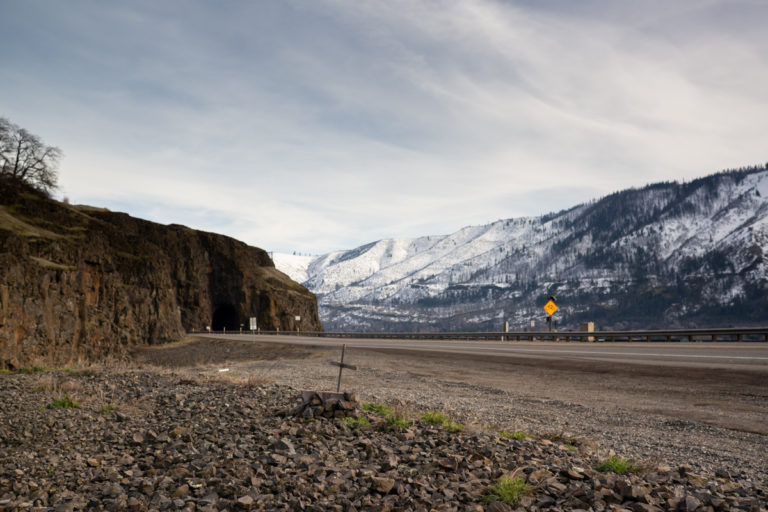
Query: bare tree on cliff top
{"x": 24, "y": 157}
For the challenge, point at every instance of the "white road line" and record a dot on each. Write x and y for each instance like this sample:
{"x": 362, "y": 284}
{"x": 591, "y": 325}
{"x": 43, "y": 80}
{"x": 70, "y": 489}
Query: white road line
{"x": 592, "y": 352}
{"x": 458, "y": 347}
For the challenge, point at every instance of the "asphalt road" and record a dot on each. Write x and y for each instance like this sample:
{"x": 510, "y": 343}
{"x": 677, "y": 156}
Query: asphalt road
{"x": 731, "y": 355}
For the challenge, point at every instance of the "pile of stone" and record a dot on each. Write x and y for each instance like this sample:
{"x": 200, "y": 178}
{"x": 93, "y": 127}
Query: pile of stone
{"x": 327, "y": 404}
{"x": 144, "y": 441}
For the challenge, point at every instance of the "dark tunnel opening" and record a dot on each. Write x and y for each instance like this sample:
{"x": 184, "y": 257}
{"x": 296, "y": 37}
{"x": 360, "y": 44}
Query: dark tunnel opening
{"x": 225, "y": 316}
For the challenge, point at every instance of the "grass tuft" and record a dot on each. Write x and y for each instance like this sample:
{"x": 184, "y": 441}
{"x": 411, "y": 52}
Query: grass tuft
{"x": 394, "y": 419}
{"x": 396, "y": 422}
{"x": 64, "y": 402}
{"x": 33, "y": 369}
{"x": 453, "y": 427}
{"x": 618, "y": 465}
{"x": 434, "y": 418}
{"x": 507, "y": 490}
{"x": 381, "y": 410}
{"x": 356, "y": 422}
{"x": 439, "y": 418}
{"x": 562, "y": 438}
{"x": 519, "y": 435}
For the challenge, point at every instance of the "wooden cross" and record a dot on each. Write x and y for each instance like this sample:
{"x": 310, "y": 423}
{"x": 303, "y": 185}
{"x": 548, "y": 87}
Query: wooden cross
{"x": 341, "y": 366}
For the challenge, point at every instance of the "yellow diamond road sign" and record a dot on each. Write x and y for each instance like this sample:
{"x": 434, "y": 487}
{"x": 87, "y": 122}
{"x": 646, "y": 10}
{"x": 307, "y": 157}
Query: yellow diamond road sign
{"x": 550, "y": 307}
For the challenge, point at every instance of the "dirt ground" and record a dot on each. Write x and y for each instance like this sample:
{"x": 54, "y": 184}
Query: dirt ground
{"x": 735, "y": 400}
{"x": 722, "y": 398}
{"x": 713, "y": 419}
{"x": 201, "y": 352}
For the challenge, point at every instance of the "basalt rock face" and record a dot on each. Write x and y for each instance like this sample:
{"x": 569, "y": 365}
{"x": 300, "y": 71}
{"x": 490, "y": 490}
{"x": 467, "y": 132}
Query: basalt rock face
{"x": 82, "y": 283}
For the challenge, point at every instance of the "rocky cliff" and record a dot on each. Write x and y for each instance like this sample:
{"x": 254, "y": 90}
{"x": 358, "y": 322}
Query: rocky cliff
{"x": 82, "y": 283}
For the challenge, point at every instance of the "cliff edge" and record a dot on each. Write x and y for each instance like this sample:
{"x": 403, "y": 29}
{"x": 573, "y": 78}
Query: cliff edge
{"x": 84, "y": 283}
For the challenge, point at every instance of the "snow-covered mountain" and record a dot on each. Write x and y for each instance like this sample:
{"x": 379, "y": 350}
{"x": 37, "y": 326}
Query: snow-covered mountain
{"x": 294, "y": 265}
{"x": 669, "y": 254}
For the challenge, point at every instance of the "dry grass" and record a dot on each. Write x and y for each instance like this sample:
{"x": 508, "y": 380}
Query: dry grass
{"x": 226, "y": 378}
{"x": 249, "y": 382}
{"x": 57, "y": 384}
{"x": 11, "y": 223}
{"x": 139, "y": 407}
{"x": 255, "y": 381}
{"x": 73, "y": 383}
{"x": 50, "y": 264}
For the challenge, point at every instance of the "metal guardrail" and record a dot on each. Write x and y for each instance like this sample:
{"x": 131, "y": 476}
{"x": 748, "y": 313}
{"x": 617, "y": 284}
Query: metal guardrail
{"x": 673, "y": 335}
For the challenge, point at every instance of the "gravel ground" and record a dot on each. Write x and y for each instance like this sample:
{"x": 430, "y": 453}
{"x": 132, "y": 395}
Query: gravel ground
{"x": 635, "y": 414}
{"x": 200, "y": 439}
{"x": 207, "y": 425}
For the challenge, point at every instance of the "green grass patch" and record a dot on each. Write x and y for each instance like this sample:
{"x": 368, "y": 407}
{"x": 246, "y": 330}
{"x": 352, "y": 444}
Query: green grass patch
{"x": 519, "y": 435}
{"x": 396, "y": 422}
{"x": 434, "y": 418}
{"x": 3, "y": 371}
{"x": 440, "y": 419}
{"x": 356, "y": 422}
{"x": 507, "y": 490}
{"x": 393, "y": 419}
{"x": 618, "y": 465}
{"x": 562, "y": 439}
{"x": 379, "y": 409}
{"x": 64, "y": 402}
{"x": 453, "y": 427}
{"x": 33, "y": 369}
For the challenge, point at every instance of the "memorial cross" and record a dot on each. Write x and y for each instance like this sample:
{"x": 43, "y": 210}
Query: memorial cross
{"x": 341, "y": 366}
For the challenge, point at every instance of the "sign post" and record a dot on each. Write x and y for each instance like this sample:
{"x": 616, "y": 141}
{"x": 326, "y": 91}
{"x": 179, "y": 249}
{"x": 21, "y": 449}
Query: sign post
{"x": 252, "y": 322}
{"x": 550, "y": 307}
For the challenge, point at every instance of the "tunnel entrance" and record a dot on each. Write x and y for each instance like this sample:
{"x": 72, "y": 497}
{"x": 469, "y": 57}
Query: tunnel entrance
{"x": 225, "y": 316}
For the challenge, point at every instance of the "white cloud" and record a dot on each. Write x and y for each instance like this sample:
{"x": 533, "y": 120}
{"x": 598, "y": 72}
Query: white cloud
{"x": 324, "y": 125}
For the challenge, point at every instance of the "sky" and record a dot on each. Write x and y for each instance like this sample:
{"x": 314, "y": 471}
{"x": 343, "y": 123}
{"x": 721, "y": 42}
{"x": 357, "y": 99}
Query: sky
{"x": 321, "y": 125}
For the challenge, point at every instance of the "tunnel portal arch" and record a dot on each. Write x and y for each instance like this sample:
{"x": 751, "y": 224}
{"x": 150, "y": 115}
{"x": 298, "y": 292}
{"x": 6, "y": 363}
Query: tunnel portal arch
{"x": 225, "y": 317}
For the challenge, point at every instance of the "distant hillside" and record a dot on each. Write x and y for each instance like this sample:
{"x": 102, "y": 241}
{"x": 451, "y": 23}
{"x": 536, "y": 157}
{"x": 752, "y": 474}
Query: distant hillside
{"x": 78, "y": 282}
{"x": 666, "y": 255}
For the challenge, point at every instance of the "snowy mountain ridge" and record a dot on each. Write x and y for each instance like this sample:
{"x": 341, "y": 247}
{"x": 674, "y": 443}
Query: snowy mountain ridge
{"x": 669, "y": 254}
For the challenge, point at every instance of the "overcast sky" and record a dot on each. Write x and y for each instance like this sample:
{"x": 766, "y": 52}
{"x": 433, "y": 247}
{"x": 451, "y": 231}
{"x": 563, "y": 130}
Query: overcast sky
{"x": 324, "y": 124}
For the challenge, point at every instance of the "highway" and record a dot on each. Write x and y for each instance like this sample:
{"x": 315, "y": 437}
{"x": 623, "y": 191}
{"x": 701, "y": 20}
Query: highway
{"x": 751, "y": 356}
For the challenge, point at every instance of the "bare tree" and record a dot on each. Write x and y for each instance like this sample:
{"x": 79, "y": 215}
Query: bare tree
{"x": 24, "y": 157}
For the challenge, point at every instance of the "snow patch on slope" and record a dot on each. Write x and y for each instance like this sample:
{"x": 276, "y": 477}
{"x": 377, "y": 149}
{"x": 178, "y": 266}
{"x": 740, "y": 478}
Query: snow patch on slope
{"x": 292, "y": 265}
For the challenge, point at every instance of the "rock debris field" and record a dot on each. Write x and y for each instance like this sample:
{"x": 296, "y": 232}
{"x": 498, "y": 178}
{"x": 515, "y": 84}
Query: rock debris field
{"x": 198, "y": 439}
